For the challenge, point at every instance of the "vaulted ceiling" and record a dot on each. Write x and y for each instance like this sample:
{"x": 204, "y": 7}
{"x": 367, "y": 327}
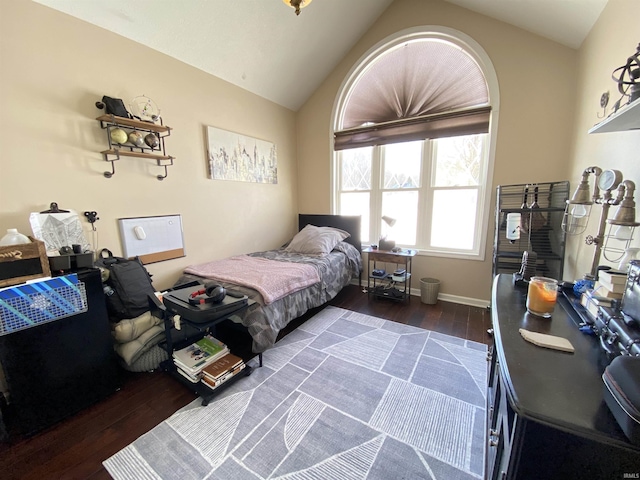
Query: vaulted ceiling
{"x": 263, "y": 47}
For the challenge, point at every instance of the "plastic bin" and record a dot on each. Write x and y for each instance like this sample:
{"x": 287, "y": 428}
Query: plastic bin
{"x": 429, "y": 288}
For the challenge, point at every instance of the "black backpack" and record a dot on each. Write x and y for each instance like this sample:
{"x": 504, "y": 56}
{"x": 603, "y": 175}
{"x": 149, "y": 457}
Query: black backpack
{"x": 128, "y": 287}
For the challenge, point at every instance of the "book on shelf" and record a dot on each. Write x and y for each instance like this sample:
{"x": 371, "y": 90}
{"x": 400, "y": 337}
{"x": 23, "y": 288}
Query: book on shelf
{"x": 614, "y": 277}
{"x": 198, "y": 368}
{"x": 609, "y": 290}
{"x": 192, "y": 378}
{"x": 198, "y": 355}
{"x": 220, "y": 367}
{"x": 213, "y": 383}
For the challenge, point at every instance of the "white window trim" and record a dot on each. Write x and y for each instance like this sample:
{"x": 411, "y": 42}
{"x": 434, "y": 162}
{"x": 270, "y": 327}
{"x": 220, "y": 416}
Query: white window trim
{"x": 474, "y": 49}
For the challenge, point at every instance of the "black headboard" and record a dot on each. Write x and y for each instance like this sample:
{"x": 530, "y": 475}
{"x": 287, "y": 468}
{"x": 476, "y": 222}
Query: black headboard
{"x": 347, "y": 223}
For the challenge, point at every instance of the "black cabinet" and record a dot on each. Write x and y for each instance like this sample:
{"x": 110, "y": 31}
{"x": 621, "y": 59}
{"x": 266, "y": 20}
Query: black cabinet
{"x": 58, "y": 368}
{"x": 546, "y": 416}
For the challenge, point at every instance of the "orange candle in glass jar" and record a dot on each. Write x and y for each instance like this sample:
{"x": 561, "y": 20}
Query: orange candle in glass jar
{"x": 541, "y": 296}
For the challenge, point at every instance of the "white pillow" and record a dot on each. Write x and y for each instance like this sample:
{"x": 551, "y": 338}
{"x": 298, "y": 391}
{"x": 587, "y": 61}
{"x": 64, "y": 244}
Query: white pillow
{"x": 314, "y": 240}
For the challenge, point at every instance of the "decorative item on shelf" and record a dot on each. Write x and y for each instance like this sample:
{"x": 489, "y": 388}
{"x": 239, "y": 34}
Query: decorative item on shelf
{"x": 136, "y": 138}
{"x": 621, "y": 226}
{"x": 145, "y": 109}
{"x": 385, "y": 243}
{"x": 119, "y": 136}
{"x": 113, "y": 106}
{"x": 628, "y": 78}
{"x": 297, "y": 4}
{"x": 151, "y": 140}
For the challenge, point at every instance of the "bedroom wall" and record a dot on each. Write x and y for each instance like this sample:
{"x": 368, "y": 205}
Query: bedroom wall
{"x": 537, "y": 105}
{"x": 612, "y": 40}
{"x": 55, "y": 67}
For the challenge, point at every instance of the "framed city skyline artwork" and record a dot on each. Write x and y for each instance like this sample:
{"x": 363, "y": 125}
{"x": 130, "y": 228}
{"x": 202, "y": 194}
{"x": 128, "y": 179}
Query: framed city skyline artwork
{"x": 241, "y": 158}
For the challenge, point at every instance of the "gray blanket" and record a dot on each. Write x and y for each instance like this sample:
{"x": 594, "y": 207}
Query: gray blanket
{"x": 265, "y": 321}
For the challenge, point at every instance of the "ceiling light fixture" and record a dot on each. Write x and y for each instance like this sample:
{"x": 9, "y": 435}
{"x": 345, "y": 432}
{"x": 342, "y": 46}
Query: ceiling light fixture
{"x": 297, "y": 4}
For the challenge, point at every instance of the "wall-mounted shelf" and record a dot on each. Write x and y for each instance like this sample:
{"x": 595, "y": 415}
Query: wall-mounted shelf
{"x": 127, "y": 153}
{"x": 626, "y": 118}
{"x": 117, "y": 150}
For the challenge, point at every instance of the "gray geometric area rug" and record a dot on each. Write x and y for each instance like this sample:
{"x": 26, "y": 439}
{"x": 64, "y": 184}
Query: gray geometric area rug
{"x": 344, "y": 396}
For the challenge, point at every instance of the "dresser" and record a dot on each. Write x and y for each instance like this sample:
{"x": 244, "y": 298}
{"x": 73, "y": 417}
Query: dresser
{"x": 546, "y": 416}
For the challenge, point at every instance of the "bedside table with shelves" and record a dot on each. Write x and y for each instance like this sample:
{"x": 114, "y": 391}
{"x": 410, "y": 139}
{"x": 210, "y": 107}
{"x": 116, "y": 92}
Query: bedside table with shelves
{"x": 389, "y": 284}
{"x": 235, "y": 335}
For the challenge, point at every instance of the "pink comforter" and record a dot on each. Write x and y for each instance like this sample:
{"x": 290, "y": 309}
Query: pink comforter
{"x": 271, "y": 278}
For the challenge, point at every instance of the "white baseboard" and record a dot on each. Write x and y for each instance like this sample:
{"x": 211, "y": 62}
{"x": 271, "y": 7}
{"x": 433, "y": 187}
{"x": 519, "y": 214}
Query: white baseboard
{"x": 445, "y": 297}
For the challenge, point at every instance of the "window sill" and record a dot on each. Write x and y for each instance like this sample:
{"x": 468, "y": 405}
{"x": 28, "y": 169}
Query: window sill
{"x": 422, "y": 252}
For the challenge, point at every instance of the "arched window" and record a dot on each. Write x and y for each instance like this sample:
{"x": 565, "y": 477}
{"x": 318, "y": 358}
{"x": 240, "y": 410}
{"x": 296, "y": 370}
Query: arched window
{"x": 414, "y": 133}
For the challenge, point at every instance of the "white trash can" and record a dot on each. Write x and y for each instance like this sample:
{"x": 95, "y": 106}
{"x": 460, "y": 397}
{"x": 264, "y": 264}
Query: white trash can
{"x": 429, "y": 288}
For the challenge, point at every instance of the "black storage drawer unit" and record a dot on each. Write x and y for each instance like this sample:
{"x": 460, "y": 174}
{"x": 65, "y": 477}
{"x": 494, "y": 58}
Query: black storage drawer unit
{"x": 58, "y": 368}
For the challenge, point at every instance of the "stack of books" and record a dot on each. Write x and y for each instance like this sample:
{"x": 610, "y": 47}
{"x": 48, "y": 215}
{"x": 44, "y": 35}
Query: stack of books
{"x": 192, "y": 359}
{"x": 222, "y": 370}
{"x": 610, "y": 284}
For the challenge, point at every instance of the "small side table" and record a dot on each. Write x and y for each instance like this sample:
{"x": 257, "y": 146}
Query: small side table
{"x": 389, "y": 284}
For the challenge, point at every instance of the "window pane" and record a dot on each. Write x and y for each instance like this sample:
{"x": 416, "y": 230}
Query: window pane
{"x": 454, "y": 218}
{"x": 357, "y": 204}
{"x": 458, "y": 161}
{"x": 402, "y": 165}
{"x": 356, "y": 169}
{"x": 403, "y": 206}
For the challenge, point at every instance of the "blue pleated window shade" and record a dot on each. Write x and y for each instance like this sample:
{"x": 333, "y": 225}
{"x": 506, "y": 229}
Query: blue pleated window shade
{"x": 426, "y": 88}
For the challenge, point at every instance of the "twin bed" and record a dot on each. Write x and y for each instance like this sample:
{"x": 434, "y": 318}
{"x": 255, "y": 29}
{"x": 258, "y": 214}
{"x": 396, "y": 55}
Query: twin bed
{"x": 307, "y": 272}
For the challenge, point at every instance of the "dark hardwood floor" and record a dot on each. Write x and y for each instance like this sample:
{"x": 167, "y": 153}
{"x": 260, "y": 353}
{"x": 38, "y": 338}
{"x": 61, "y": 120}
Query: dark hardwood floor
{"x": 75, "y": 448}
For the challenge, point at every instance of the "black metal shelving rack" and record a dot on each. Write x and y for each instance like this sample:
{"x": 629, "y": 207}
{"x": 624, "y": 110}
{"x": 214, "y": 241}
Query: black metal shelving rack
{"x": 547, "y": 240}
{"x": 234, "y": 335}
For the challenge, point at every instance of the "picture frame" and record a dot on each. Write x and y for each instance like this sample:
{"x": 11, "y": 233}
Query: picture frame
{"x": 236, "y": 157}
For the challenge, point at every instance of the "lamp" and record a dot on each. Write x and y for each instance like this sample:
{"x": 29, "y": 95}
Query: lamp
{"x": 621, "y": 226}
{"x": 385, "y": 243}
{"x": 297, "y": 4}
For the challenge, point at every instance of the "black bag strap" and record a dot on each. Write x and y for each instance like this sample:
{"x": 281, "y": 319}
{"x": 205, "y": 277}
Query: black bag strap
{"x": 108, "y": 260}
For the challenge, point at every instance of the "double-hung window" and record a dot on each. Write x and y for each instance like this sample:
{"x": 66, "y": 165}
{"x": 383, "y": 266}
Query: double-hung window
{"x": 415, "y": 144}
